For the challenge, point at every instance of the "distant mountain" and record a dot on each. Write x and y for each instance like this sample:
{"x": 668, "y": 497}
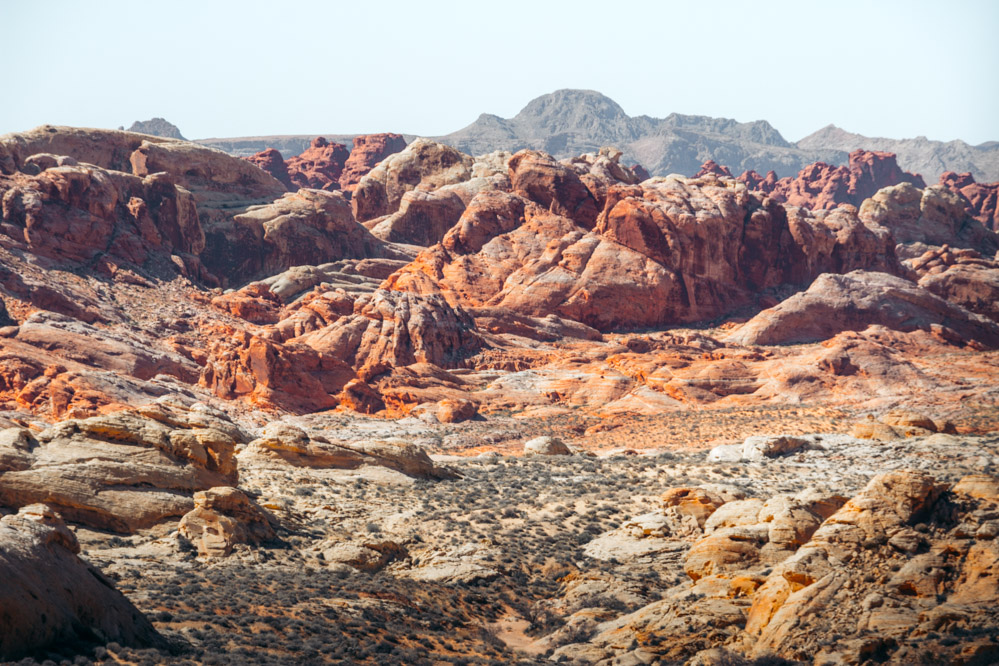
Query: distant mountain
{"x": 919, "y": 155}
{"x": 156, "y": 127}
{"x": 569, "y": 122}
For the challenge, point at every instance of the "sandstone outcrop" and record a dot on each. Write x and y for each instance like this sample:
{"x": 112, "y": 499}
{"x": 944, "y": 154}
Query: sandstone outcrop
{"x": 271, "y": 161}
{"x": 320, "y": 166}
{"x": 835, "y": 303}
{"x": 961, "y": 276}
{"x": 119, "y": 472}
{"x": 423, "y": 217}
{"x": 540, "y": 178}
{"x": 367, "y": 151}
{"x": 937, "y": 571}
{"x": 300, "y": 228}
{"x": 424, "y": 164}
{"x": 823, "y": 186}
{"x": 880, "y": 576}
{"x": 283, "y": 444}
{"x": 77, "y": 213}
{"x": 934, "y": 215}
{"x": 53, "y": 599}
{"x": 670, "y": 250}
{"x": 392, "y": 329}
{"x": 215, "y": 179}
{"x": 269, "y": 374}
{"x": 981, "y": 199}
{"x": 222, "y": 518}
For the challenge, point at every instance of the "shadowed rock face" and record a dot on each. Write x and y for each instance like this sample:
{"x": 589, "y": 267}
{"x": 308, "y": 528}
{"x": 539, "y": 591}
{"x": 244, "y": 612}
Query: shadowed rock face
{"x": 835, "y": 303}
{"x": 271, "y": 161}
{"x": 53, "y": 599}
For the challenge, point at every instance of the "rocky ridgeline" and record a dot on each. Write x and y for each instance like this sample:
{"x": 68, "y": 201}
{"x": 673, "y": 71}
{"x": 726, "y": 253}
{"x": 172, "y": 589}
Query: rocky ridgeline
{"x": 200, "y": 354}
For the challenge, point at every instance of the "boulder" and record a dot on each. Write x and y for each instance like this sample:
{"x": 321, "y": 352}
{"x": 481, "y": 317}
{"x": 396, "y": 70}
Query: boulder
{"x": 271, "y": 161}
{"x": 761, "y": 447}
{"x": 546, "y": 446}
{"x": 223, "y": 517}
{"x": 52, "y": 599}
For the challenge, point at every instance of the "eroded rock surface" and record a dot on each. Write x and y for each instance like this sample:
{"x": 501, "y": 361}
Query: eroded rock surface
{"x": 53, "y": 599}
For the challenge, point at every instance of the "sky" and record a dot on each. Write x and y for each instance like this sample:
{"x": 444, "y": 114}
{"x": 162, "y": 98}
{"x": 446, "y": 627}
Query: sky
{"x": 220, "y": 69}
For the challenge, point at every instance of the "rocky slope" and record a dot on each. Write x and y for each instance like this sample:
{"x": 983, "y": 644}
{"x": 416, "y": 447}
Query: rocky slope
{"x": 473, "y": 378}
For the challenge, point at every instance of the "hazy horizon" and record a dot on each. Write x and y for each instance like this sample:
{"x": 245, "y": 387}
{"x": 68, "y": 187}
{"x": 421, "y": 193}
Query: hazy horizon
{"x": 896, "y": 69}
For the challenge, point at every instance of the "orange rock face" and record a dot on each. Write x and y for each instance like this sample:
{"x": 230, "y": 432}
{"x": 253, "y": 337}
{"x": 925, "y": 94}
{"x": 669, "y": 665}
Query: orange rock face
{"x": 291, "y": 377}
{"x": 668, "y": 250}
{"x": 822, "y": 186}
{"x": 270, "y": 160}
{"x": 368, "y": 150}
{"x": 320, "y": 166}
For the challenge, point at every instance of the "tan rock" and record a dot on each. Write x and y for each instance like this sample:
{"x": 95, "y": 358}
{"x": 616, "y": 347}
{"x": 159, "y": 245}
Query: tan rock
{"x": 52, "y": 598}
{"x": 223, "y": 517}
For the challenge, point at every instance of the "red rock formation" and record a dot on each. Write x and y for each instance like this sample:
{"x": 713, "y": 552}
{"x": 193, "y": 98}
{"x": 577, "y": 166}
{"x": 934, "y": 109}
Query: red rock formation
{"x": 392, "y": 329}
{"x": 319, "y": 167}
{"x": 290, "y": 376}
{"x": 641, "y": 173}
{"x": 538, "y": 177}
{"x": 961, "y": 276}
{"x": 368, "y": 150}
{"x": 982, "y": 199}
{"x": 836, "y": 303}
{"x": 75, "y": 213}
{"x": 712, "y": 167}
{"x": 823, "y": 186}
{"x": 270, "y": 160}
{"x": 676, "y": 250}
{"x": 425, "y": 164}
{"x": 755, "y": 181}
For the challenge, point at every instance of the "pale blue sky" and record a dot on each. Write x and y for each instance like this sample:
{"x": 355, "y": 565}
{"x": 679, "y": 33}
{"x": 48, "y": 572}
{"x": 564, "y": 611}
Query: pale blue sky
{"x": 896, "y": 69}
